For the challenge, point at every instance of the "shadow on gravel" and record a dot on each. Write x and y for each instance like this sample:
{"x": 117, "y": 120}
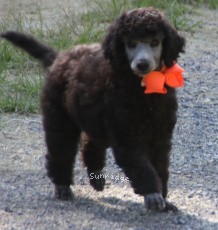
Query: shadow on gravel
{"x": 28, "y": 196}
{"x": 133, "y": 214}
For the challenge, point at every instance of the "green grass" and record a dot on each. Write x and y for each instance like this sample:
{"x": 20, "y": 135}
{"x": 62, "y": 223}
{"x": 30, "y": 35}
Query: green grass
{"x": 175, "y": 10}
{"x": 212, "y": 4}
{"x": 21, "y": 77}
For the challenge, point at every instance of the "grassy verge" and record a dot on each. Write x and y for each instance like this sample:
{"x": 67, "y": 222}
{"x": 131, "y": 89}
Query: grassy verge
{"x": 21, "y": 78}
{"x": 212, "y": 4}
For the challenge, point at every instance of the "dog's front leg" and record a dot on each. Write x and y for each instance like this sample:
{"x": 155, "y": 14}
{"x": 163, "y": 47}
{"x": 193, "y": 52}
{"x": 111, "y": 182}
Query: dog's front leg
{"x": 160, "y": 161}
{"x": 142, "y": 175}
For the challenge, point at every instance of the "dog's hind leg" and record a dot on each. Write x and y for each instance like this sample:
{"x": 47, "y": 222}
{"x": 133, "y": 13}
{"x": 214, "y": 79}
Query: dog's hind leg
{"x": 62, "y": 137}
{"x": 93, "y": 156}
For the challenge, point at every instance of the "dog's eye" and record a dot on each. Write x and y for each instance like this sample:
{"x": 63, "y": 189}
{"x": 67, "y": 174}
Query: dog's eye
{"x": 154, "y": 43}
{"x": 131, "y": 44}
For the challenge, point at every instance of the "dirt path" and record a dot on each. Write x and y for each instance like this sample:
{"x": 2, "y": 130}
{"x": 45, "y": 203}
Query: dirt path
{"x": 47, "y": 6}
{"x": 26, "y": 194}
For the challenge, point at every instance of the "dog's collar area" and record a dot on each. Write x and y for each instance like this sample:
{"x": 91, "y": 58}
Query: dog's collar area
{"x": 155, "y": 80}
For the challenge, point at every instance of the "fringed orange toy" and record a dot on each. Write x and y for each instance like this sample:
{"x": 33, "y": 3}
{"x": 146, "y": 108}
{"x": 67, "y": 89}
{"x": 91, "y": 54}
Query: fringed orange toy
{"x": 154, "y": 81}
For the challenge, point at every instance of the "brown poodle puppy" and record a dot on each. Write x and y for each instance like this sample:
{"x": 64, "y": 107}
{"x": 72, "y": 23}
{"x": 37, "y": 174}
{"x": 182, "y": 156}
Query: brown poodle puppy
{"x": 93, "y": 96}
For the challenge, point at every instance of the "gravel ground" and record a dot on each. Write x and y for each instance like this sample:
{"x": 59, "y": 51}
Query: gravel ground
{"x": 26, "y": 194}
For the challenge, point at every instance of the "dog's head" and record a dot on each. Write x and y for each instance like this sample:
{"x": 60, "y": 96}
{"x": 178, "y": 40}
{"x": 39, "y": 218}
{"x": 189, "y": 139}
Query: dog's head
{"x": 141, "y": 41}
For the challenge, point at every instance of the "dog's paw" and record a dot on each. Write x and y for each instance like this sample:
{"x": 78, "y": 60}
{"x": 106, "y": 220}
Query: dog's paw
{"x": 170, "y": 207}
{"x": 63, "y": 192}
{"x": 97, "y": 180}
{"x": 154, "y": 202}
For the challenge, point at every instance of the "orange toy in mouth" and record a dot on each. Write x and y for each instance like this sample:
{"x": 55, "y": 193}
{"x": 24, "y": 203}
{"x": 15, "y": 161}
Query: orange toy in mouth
{"x": 155, "y": 80}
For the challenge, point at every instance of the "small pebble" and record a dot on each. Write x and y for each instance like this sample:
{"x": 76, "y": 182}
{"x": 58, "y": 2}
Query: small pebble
{"x": 179, "y": 221}
{"x": 191, "y": 195}
{"x": 19, "y": 213}
{"x": 9, "y": 210}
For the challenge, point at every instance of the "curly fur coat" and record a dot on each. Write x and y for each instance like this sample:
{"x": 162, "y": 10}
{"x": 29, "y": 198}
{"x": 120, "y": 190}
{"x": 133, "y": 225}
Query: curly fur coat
{"x": 92, "y": 96}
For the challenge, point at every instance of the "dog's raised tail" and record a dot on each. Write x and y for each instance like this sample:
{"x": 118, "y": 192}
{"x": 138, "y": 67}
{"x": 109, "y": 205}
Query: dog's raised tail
{"x": 32, "y": 46}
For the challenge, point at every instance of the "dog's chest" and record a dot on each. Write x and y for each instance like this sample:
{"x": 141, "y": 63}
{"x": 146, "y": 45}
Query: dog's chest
{"x": 141, "y": 115}
{"x": 129, "y": 110}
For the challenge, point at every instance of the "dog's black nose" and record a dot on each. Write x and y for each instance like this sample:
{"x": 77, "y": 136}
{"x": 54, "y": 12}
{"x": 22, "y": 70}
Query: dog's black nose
{"x": 143, "y": 65}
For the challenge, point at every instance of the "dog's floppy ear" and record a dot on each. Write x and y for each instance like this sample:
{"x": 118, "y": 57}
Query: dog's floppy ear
{"x": 173, "y": 44}
{"x": 113, "y": 45}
